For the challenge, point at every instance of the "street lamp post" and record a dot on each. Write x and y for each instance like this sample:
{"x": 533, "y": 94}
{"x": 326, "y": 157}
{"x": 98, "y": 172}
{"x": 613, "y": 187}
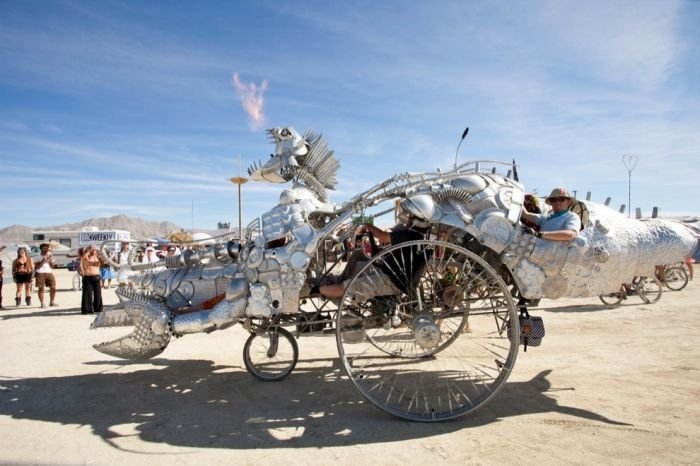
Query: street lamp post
{"x": 239, "y": 180}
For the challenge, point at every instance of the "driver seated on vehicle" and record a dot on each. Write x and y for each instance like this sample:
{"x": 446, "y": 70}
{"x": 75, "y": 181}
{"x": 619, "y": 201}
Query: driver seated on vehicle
{"x": 381, "y": 279}
{"x": 560, "y": 224}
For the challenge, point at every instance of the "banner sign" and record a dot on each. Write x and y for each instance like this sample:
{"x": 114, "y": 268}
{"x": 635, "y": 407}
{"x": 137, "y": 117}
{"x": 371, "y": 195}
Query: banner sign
{"x": 99, "y": 237}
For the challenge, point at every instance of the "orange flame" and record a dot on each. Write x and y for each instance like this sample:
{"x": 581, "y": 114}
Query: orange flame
{"x": 252, "y": 99}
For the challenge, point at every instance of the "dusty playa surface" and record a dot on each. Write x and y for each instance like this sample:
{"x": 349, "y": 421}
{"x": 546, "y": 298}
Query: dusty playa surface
{"x": 606, "y": 386}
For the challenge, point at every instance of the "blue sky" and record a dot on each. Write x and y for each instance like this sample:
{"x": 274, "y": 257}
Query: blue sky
{"x": 117, "y": 107}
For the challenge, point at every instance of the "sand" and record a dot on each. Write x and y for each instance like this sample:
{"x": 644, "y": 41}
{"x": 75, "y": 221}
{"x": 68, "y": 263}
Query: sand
{"x": 612, "y": 386}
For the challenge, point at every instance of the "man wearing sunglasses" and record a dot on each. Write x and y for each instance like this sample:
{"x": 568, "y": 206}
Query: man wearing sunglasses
{"x": 560, "y": 224}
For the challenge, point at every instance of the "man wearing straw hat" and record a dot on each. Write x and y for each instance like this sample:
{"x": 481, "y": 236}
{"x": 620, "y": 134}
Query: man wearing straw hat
{"x": 44, "y": 275}
{"x": 560, "y": 224}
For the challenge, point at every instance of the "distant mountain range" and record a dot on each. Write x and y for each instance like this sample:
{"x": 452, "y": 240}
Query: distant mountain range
{"x": 139, "y": 228}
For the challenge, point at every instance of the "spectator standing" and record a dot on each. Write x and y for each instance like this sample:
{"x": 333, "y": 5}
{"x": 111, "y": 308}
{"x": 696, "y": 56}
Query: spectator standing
{"x": 150, "y": 256}
{"x": 106, "y": 273}
{"x": 22, "y": 271}
{"x": 124, "y": 272}
{"x": 90, "y": 271}
{"x": 44, "y": 275}
{"x": 688, "y": 263}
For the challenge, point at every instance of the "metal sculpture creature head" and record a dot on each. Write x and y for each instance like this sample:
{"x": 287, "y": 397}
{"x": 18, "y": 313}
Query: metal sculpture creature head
{"x": 305, "y": 159}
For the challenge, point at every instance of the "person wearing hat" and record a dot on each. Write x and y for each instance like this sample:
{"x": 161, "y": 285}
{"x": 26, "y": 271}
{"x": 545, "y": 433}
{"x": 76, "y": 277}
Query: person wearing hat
{"x": 560, "y": 224}
{"x": 150, "y": 256}
{"x": 44, "y": 274}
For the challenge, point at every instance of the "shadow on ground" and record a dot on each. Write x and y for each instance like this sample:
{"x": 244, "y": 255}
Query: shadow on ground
{"x": 195, "y": 403}
{"x": 580, "y": 308}
{"x": 597, "y": 307}
{"x": 38, "y": 312}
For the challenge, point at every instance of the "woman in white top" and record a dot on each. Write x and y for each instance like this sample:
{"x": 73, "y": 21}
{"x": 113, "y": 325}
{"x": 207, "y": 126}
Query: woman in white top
{"x": 124, "y": 272}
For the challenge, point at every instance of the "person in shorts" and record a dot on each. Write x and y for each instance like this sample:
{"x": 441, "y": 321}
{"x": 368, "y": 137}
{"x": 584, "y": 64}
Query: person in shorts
{"x": 44, "y": 275}
{"x": 106, "y": 272}
{"x": 22, "y": 272}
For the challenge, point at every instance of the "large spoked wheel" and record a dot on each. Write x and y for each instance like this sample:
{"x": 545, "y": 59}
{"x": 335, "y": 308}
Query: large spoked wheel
{"x": 649, "y": 289}
{"x": 612, "y": 299}
{"x": 675, "y": 278}
{"x": 435, "y": 342}
{"x": 271, "y": 355}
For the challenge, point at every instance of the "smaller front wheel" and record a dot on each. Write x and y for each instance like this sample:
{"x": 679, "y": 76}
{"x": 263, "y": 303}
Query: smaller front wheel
{"x": 272, "y": 355}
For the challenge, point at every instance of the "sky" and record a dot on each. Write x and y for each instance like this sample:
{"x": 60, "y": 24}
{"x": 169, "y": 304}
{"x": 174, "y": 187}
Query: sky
{"x": 146, "y": 108}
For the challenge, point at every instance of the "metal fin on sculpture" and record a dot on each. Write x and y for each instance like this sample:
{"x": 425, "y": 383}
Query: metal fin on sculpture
{"x": 320, "y": 161}
{"x": 255, "y": 166}
{"x": 310, "y": 180}
{"x": 151, "y": 330}
{"x": 130, "y": 294}
{"x": 270, "y": 132}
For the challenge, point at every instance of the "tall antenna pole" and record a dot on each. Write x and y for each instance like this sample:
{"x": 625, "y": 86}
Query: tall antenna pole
{"x": 192, "y": 218}
{"x": 630, "y": 161}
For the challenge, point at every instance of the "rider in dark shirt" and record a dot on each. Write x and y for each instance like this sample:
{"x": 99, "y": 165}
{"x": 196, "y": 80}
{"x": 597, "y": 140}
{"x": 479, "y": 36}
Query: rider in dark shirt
{"x": 393, "y": 271}
{"x": 403, "y": 263}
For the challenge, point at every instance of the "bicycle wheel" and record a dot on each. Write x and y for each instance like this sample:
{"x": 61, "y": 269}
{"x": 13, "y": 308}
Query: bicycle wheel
{"x": 675, "y": 278}
{"x": 612, "y": 299}
{"x": 271, "y": 356}
{"x": 649, "y": 289}
{"x": 443, "y": 370}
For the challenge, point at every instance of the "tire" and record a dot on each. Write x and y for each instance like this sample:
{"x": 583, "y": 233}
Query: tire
{"x": 439, "y": 349}
{"x": 649, "y": 289}
{"x": 612, "y": 299}
{"x": 675, "y": 278}
{"x": 264, "y": 361}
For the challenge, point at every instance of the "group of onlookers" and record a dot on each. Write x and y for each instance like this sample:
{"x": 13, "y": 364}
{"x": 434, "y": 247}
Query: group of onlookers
{"x": 96, "y": 273}
{"x": 24, "y": 268}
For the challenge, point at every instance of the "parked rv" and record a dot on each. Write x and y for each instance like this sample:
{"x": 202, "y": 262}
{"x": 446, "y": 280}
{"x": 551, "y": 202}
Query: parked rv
{"x": 65, "y": 243}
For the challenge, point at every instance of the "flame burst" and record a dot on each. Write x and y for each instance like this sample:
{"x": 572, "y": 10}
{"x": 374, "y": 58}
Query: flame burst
{"x": 252, "y": 99}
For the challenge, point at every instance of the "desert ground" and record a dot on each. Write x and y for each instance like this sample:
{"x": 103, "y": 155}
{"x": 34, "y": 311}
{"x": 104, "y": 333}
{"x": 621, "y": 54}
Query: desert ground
{"x": 607, "y": 386}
